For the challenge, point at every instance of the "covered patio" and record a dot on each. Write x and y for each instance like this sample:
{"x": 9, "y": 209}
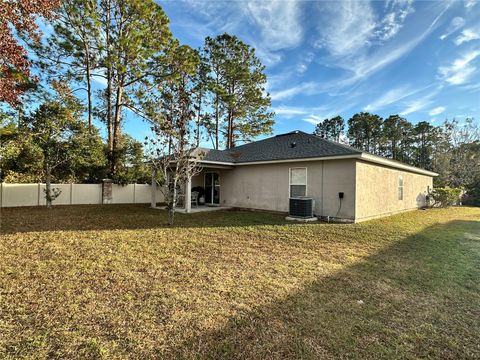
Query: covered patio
{"x": 204, "y": 191}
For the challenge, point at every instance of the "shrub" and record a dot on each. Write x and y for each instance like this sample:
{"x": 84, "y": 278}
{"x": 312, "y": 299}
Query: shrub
{"x": 444, "y": 197}
{"x": 472, "y": 193}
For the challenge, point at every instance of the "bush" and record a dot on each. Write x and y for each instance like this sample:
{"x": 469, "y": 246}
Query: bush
{"x": 472, "y": 193}
{"x": 444, "y": 197}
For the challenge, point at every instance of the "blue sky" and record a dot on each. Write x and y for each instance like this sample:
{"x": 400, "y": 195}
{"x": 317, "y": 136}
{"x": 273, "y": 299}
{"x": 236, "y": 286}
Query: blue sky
{"x": 418, "y": 59}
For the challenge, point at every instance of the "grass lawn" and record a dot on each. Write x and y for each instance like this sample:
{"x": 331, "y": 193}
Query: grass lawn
{"x": 114, "y": 282}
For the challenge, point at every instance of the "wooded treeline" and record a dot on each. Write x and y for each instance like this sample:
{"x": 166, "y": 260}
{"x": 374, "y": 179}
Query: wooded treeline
{"x": 451, "y": 149}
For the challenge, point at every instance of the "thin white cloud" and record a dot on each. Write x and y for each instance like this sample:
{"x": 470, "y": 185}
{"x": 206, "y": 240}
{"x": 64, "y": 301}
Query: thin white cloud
{"x": 364, "y": 65}
{"x": 276, "y": 24}
{"x": 392, "y": 96}
{"x": 361, "y": 66}
{"x": 306, "y": 88}
{"x": 467, "y": 35}
{"x": 416, "y": 105}
{"x": 313, "y": 114}
{"x": 383, "y": 58}
{"x": 470, "y": 3}
{"x": 99, "y": 78}
{"x": 279, "y": 22}
{"x": 287, "y": 111}
{"x": 456, "y": 23}
{"x": 394, "y": 19}
{"x": 438, "y": 110}
{"x": 302, "y": 66}
{"x": 420, "y": 103}
{"x": 313, "y": 119}
{"x": 346, "y": 27}
{"x": 349, "y": 28}
{"x": 268, "y": 57}
{"x": 461, "y": 70}
{"x": 472, "y": 87}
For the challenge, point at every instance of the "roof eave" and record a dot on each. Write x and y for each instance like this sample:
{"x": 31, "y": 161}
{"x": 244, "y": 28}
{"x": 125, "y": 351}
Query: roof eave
{"x": 387, "y": 162}
{"x": 360, "y": 156}
{"x": 317, "y": 158}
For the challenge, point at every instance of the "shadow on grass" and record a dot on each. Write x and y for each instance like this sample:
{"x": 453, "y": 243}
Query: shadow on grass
{"x": 122, "y": 217}
{"x": 418, "y": 298}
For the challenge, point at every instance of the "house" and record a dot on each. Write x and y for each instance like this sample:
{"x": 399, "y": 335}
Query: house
{"x": 264, "y": 174}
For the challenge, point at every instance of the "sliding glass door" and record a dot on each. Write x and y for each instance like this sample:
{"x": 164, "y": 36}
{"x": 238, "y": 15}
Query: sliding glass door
{"x": 212, "y": 188}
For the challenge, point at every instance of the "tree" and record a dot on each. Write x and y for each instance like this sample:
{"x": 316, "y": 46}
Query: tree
{"x": 124, "y": 42}
{"x": 462, "y": 154}
{"x": 212, "y": 58}
{"x": 172, "y": 146}
{"x": 200, "y": 99}
{"x": 364, "y": 131}
{"x": 397, "y": 138}
{"x": 237, "y": 83}
{"x": 18, "y": 155}
{"x": 425, "y": 137}
{"x": 60, "y": 136}
{"x": 472, "y": 195}
{"x": 72, "y": 52}
{"x": 135, "y": 40}
{"x": 15, "y": 77}
{"x": 331, "y": 129}
{"x": 132, "y": 166}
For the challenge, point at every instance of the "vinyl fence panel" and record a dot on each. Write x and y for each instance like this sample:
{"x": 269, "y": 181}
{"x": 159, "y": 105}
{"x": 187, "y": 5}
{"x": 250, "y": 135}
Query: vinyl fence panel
{"x": 74, "y": 194}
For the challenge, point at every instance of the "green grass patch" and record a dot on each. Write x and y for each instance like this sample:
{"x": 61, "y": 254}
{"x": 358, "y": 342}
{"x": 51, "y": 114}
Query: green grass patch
{"x": 115, "y": 282}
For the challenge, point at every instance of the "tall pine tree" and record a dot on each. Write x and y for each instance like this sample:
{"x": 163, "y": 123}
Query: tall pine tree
{"x": 237, "y": 84}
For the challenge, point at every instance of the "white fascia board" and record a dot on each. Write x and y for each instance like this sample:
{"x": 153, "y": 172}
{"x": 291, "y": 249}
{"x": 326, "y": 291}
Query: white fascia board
{"x": 221, "y": 163}
{"x": 383, "y": 161}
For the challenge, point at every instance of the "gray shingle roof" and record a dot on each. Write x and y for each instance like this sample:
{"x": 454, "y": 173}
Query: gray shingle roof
{"x": 293, "y": 145}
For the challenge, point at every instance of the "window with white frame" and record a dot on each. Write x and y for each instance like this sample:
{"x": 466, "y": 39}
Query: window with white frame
{"x": 298, "y": 182}
{"x": 400, "y": 187}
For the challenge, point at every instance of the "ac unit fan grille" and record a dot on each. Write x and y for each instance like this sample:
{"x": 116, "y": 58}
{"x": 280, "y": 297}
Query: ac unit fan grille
{"x": 301, "y": 207}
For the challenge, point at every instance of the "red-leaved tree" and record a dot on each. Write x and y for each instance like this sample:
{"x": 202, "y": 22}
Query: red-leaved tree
{"x": 19, "y": 16}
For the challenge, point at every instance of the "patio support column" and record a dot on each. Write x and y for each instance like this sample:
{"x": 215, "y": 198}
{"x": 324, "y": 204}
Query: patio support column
{"x": 188, "y": 195}
{"x": 153, "y": 202}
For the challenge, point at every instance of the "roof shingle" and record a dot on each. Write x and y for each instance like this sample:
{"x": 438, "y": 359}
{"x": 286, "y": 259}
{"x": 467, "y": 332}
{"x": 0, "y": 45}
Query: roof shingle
{"x": 293, "y": 145}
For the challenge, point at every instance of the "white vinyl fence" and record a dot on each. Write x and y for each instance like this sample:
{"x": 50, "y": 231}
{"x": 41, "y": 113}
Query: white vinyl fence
{"x": 74, "y": 194}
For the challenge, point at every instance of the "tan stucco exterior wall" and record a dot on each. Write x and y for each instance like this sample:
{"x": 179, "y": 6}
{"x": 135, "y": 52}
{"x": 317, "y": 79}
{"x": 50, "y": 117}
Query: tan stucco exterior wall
{"x": 266, "y": 186}
{"x": 377, "y": 190}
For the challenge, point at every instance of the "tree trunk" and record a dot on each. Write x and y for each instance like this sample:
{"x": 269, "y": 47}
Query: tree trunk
{"x": 198, "y": 118}
{"x": 109, "y": 85}
{"x": 116, "y": 124}
{"x": 230, "y": 142}
{"x": 89, "y": 88}
{"x": 217, "y": 115}
{"x": 171, "y": 216}
{"x": 173, "y": 204}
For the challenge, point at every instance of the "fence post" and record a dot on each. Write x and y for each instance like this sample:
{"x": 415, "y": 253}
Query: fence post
{"x": 71, "y": 193}
{"x": 153, "y": 201}
{"x": 39, "y": 195}
{"x": 1, "y": 194}
{"x": 107, "y": 191}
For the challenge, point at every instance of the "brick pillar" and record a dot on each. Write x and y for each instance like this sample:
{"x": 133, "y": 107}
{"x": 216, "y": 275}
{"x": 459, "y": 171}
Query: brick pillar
{"x": 107, "y": 191}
